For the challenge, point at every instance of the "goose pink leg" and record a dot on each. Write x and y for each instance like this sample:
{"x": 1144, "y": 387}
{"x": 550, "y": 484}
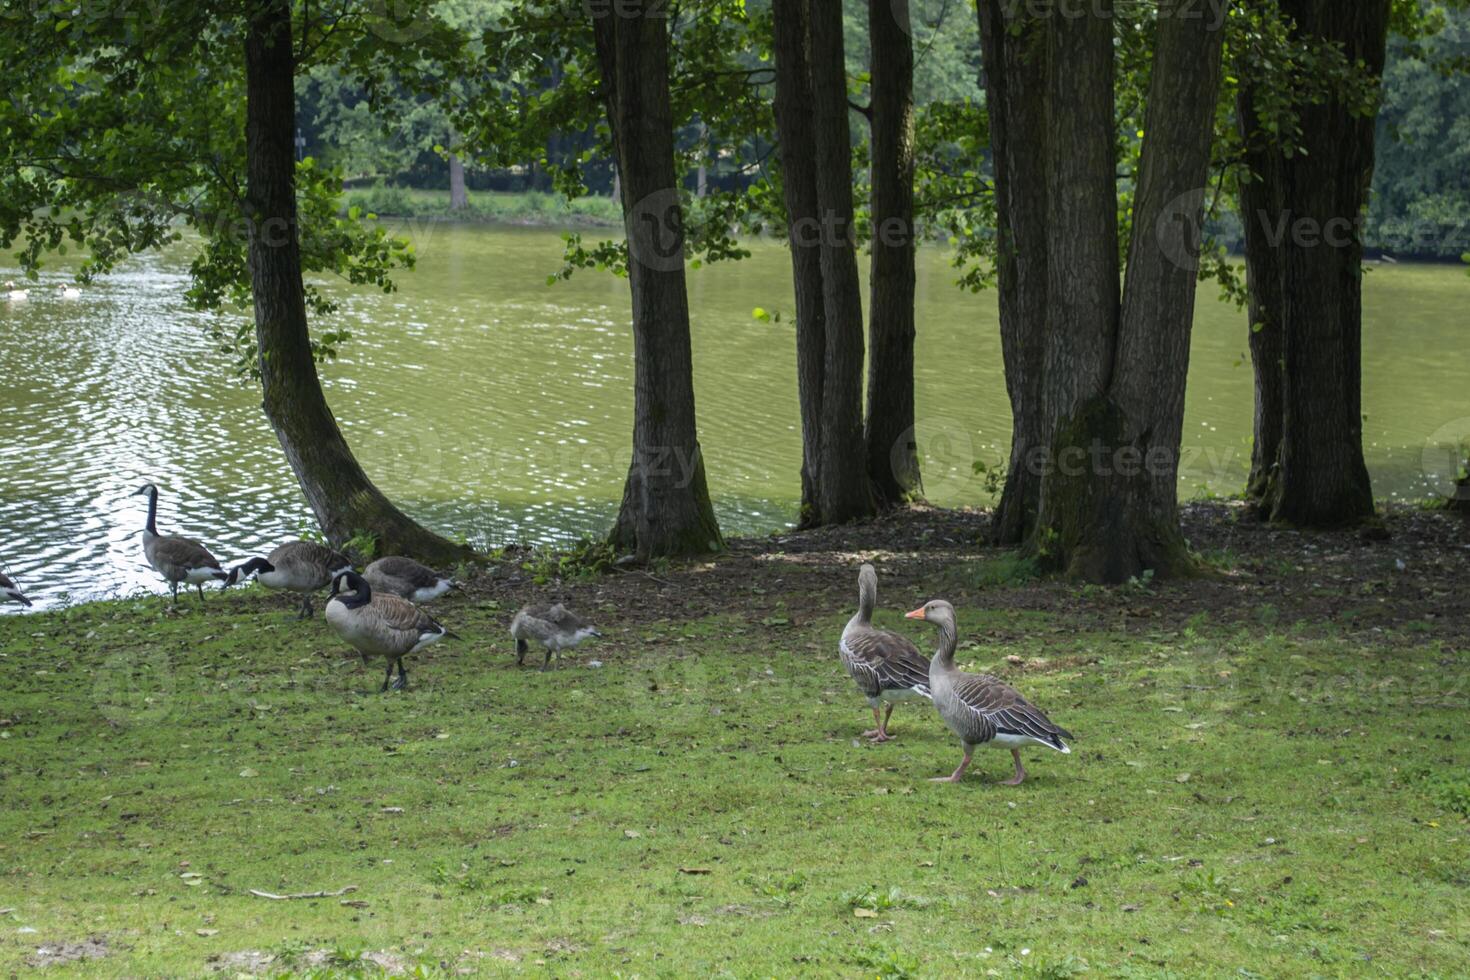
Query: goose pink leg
{"x": 1020, "y": 770}
{"x": 959, "y": 773}
{"x": 880, "y": 734}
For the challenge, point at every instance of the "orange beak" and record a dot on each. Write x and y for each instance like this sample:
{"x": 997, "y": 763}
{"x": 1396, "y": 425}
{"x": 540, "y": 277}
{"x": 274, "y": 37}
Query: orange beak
{"x": 916, "y": 614}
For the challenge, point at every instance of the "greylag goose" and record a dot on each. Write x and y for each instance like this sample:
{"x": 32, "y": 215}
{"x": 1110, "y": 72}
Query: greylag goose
{"x": 979, "y": 708}
{"x": 9, "y": 590}
{"x": 406, "y": 579}
{"x": 297, "y": 566}
{"x": 555, "y": 627}
{"x": 380, "y": 625}
{"x": 885, "y": 666}
{"x": 175, "y": 558}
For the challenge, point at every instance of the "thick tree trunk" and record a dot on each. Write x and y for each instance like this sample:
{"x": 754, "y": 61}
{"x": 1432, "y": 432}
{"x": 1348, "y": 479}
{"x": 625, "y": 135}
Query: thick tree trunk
{"x": 799, "y": 184}
{"x": 459, "y": 198}
{"x": 344, "y": 500}
{"x": 1262, "y": 202}
{"x": 893, "y": 459}
{"x": 1322, "y": 480}
{"x": 1116, "y": 374}
{"x": 666, "y": 506}
{"x": 843, "y": 490}
{"x": 1014, "y": 48}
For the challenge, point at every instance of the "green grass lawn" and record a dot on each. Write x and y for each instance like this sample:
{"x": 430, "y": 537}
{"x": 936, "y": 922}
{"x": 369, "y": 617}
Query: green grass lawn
{"x": 1240, "y": 801}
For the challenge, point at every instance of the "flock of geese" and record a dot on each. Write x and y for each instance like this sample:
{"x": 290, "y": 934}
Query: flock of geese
{"x": 376, "y": 612}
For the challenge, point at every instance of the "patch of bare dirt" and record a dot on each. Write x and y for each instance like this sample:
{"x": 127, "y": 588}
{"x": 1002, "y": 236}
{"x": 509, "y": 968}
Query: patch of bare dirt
{"x": 59, "y": 954}
{"x": 1406, "y": 573}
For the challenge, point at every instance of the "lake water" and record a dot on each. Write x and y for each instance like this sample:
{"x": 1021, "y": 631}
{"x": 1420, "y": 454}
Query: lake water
{"x": 495, "y": 407}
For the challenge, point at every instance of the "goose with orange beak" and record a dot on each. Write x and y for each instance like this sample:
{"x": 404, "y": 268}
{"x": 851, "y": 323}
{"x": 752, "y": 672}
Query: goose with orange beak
{"x": 980, "y": 708}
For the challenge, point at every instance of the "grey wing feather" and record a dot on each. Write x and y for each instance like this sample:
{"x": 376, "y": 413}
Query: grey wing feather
{"x": 417, "y": 575}
{"x": 184, "y": 553}
{"x": 400, "y": 614}
{"x": 1005, "y": 710}
{"x": 882, "y": 661}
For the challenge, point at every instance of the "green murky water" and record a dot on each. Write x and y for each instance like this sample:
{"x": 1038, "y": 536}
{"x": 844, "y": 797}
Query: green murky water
{"x": 498, "y": 408}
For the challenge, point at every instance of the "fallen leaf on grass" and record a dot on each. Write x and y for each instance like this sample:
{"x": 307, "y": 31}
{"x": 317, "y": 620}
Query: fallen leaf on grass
{"x": 695, "y": 871}
{"x": 1183, "y": 777}
{"x": 206, "y": 933}
{"x": 865, "y": 913}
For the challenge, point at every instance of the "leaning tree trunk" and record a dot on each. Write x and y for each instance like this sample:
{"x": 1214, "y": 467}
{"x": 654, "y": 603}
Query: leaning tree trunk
{"x": 1262, "y": 204}
{"x": 893, "y": 459}
{"x": 666, "y": 506}
{"x": 1109, "y": 507}
{"x": 1014, "y": 48}
{"x": 799, "y": 184}
{"x": 344, "y": 500}
{"x": 843, "y": 490}
{"x": 1322, "y": 480}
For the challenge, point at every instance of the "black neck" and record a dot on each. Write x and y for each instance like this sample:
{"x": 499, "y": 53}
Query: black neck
{"x": 152, "y": 527}
{"x": 362, "y": 593}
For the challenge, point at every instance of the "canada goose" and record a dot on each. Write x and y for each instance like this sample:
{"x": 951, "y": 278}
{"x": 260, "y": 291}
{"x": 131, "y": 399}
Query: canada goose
{"x": 885, "y": 666}
{"x": 380, "y": 625}
{"x": 297, "y": 566}
{"x": 555, "y": 627}
{"x": 9, "y": 590}
{"x": 67, "y": 291}
{"x": 176, "y": 559}
{"x": 406, "y": 579}
{"x": 979, "y": 708}
{"x": 14, "y": 292}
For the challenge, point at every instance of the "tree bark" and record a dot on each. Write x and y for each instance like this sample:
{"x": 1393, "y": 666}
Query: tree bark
{"x": 1262, "y": 202}
{"x": 1460, "y": 502}
{"x": 1322, "y": 479}
{"x": 843, "y": 491}
{"x": 1116, "y": 372}
{"x": 459, "y": 198}
{"x": 666, "y": 506}
{"x": 799, "y": 186}
{"x": 1014, "y": 49}
{"x": 893, "y": 458}
{"x": 343, "y": 499}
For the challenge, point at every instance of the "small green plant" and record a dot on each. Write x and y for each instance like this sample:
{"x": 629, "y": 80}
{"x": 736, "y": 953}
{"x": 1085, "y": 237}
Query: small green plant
{"x": 1008, "y": 569}
{"x": 993, "y": 476}
{"x": 875, "y": 900}
{"x": 362, "y": 546}
{"x": 887, "y": 963}
{"x": 584, "y": 560}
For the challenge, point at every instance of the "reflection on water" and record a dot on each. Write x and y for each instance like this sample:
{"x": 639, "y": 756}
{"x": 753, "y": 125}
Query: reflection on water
{"x": 497, "y": 408}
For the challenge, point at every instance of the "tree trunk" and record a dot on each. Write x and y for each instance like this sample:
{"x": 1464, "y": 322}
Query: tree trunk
{"x": 1082, "y": 273}
{"x": 1322, "y": 480}
{"x": 799, "y": 185}
{"x": 1116, "y": 373}
{"x": 459, "y": 198}
{"x": 1460, "y": 502}
{"x": 344, "y": 500}
{"x": 1262, "y": 202}
{"x": 893, "y": 459}
{"x": 666, "y": 506}
{"x": 1014, "y": 49}
{"x": 843, "y": 491}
